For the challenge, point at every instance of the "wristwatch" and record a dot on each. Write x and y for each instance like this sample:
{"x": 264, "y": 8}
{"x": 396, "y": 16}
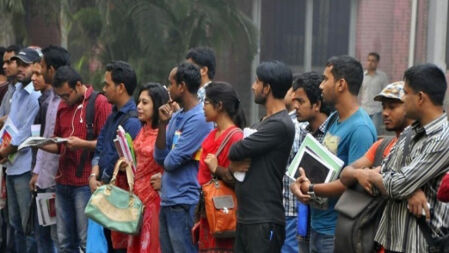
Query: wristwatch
{"x": 311, "y": 191}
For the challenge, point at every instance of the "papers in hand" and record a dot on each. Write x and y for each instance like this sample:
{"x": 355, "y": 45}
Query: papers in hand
{"x": 38, "y": 141}
{"x": 46, "y": 208}
{"x": 240, "y": 176}
{"x": 319, "y": 164}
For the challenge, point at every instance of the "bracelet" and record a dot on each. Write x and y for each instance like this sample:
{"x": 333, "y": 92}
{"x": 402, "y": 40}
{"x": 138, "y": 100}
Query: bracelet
{"x": 93, "y": 175}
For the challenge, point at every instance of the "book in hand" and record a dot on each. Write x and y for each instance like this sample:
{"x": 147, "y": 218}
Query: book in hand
{"x": 37, "y": 141}
{"x": 319, "y": 164}
{"x": 46, "y": 208}
{"x": 7, "y": 133}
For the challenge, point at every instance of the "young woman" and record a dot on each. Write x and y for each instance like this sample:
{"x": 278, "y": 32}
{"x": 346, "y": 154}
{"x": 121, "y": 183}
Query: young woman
{"x": 151, "y": 97}
{"x": 221, "y": 106}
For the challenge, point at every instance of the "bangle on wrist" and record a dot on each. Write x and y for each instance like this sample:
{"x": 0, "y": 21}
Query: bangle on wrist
{"x": 93, "y": 175}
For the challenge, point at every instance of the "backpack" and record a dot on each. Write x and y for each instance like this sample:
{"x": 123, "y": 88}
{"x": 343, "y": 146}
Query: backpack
{"x": 359, "y": 214}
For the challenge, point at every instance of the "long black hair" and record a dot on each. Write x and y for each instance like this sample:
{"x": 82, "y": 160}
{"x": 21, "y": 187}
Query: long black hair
{"x": 217, "y": 92}
{"x": 159, "y": 95}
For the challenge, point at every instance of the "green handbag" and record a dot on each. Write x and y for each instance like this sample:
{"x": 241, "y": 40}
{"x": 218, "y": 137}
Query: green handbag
{"x": 115, "y": 208}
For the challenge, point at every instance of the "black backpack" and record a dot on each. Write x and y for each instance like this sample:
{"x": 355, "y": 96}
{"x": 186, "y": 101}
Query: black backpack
{"x": 359, "y": 215}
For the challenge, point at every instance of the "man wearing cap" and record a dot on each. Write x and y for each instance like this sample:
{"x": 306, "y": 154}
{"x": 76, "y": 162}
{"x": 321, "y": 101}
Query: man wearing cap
{"x": 393, "y": 113}
{"x": 24, "y": 107}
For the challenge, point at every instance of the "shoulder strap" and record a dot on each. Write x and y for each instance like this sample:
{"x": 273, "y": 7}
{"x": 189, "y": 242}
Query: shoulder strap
{"x": 90, "y": 133}
{"x": 408, "y": 137}
{"x": 226, "y": 140}
{"x": 90, "y": 116}
{"x": 381, "y": 149}
{"x": 124, "y": 118}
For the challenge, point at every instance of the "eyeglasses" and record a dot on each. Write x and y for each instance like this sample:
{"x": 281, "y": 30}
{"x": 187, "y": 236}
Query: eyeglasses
{"x": 66, "y": 96}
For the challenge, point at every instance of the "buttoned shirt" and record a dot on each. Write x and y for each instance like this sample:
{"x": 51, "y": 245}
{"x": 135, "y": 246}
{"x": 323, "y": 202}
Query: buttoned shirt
{"x": 372, "y": 85}
{"x": 288, "y": 197}
{"x": 105, "y": 152}
{"x": 24, "y": 107}
{"x": 425, "y": 165}
{"x": 71, "y": 121}
{"x": 201, "y": 93}
{"x": 47, "y": 163}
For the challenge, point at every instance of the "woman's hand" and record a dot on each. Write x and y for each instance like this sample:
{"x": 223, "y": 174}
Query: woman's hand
{"x": 211, "y": 162}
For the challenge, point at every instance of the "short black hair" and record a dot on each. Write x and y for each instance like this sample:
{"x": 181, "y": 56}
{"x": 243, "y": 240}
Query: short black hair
{"x": 159, "y": 95}
{"x": 348, "y": 68}
{"x": 375, "y": 54}
{"x": 190, "y": 75}
{"x": 13, "y": 48}
{"x": 122, "y": 72}
{"x": 2, "y": 52}
{"x": 204, "y": 57}
{"x": 277, "y": 75}
{"x": 429, "y": 79}
{"x": 310, "y": 82}
{"x": 56, "y": 56}
{"x": 66, "y": 74}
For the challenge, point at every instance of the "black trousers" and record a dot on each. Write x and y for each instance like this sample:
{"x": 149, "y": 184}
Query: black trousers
{"x": 260, "y": 238}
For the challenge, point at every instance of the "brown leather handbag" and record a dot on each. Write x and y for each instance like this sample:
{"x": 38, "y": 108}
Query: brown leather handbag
{"x": 220, "y": 202}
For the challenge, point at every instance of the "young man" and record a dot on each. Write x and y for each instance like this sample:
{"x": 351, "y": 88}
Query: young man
{"x": 415, "y": 166}
{"x": 310, "y": 109}
{"x": 120, "y": 81}
{"x": 374, "y": 81}
{"x": 393, "y": 113}
{"x": 204, "y": 58}
{"x": 3, "y": 78}
{"x": 24, "y": 107}
{"x": 349, "y": 134}
{"x": 264, "y": 156}
{"x": 72, "y": 189}
{"x": 11, "y": 70}
{"x": 45, "y": 163}
{"x": 289, "y": 200}
{"x": 179, "y": 138}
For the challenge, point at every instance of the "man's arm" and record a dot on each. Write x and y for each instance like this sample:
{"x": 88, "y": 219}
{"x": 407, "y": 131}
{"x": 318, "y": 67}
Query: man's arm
{"x": 268, "y": 135}
{"x": 349, "y": 174}
{"x": 189, "y": 142}
{"x": 161, "y": 150}
{"x": 428, "y": 164}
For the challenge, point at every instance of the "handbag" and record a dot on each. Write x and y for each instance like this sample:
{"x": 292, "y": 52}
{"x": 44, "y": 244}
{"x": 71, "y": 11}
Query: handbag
{"x": 220, "y": 202}
{"x": 359, "y": 215}
{"x": 115, "y": 208}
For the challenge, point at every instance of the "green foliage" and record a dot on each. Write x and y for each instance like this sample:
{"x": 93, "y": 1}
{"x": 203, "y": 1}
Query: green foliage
{"x": 153, "y": 35}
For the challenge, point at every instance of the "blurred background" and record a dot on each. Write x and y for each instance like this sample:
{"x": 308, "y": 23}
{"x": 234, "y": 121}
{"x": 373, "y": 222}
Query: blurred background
{"x": 154, "y": 35}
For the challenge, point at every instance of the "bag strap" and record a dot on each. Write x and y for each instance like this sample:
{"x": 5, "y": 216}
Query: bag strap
{"x": 90, "y": 133}
{"x": 226, "y": 140}
{"x": 380, "y": 150}
{"x": 408, "y": 138}
{"x": 425, "y": 229}
{"x": 124, "y": 118}
{"x": 129, "y": 173}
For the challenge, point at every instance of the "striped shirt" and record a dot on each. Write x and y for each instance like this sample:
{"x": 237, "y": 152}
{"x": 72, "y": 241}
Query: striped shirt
{"x": 425, "y": 165}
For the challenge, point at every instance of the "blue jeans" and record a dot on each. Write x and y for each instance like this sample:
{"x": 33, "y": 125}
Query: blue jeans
{"x": 321, "y": 243}
{"x": 290, "y": 242}
{"x": 46, "y": 237}
{"x": 19, "y": 199}
{"x": 71, "y": 222}
{"x": 175, "y": 225}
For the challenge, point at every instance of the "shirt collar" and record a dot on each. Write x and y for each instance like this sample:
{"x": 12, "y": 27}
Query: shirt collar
{"x": 29, "y": 87}
{"x": 321, "y": 128}
{"x": 129, "y": 106}
{"x": 430, "y": 127}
